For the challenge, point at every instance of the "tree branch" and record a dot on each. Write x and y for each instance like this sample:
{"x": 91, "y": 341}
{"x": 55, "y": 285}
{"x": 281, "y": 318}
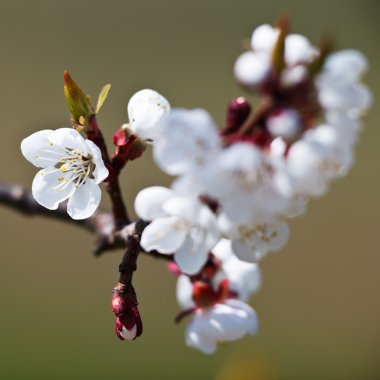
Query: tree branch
{"x": 18, "y": 198}
{"x": 119, "y": 209}
{"x": 101, "y": 224}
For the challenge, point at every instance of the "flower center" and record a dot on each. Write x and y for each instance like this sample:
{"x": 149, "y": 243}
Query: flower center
{"x": 77, "y": 165}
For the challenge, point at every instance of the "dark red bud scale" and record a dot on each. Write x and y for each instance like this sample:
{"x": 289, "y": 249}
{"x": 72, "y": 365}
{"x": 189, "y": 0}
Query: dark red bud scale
{"x": 237, "y": 112}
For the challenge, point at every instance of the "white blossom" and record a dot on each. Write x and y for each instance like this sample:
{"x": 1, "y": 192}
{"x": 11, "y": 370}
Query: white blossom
{"x": 243, "y": 278}
{"x": 220, "y": 323}
{"x": 252, "y": 69}
{"x": 285, "y": 123}
{"x": 241, "y": 181}
{"x": 180, "y": 225}
{"x": 72, "y": 169}
{"x": 298, "y": 49}
{"x": 339, "y": 86}
{"x": 312, "y": 162}
{"x": 264, "y": 38}
{"x": 349, "y": 64}
{"x": 252, "y": 241}
{"x": 189, "y": 141}
{"x": 147, "y": 110}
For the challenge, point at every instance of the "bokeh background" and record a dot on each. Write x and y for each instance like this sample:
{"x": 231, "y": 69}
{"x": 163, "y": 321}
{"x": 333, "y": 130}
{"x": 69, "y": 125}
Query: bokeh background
{"x": 319, "y": 306}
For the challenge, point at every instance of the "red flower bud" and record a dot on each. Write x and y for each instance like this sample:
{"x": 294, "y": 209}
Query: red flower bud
{"x": 237, "y": 112}
{"x": 128, "y": 325}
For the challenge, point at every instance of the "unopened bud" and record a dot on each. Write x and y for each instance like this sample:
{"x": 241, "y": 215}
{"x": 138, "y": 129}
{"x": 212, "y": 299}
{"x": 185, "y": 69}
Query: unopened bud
{"x": 237, "y": 112}
{"x": 128, "y": 325}
{"x": 252, "y": 69}
{"x": 146, "y": 111}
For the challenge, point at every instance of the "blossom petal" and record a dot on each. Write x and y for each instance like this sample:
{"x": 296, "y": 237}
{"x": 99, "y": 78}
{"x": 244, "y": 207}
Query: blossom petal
{"x": 196, "y": 335}
{"x": 184, "y": 207}
{"x": 184, "y": 292}
{"x": 34, "y": 148}
{"x": 85, "y": 200}
{"x": 69, "y": 138}
{"x": 100, "y": 172}
{"x": 191, "y": 257}
{"x": 228, "y": 323}
{"x": 149, "y": 202}
{"x": 51, "y": 187}
{"x": 251, "y": 321}
{"x": 163, "y": 235}
{"x": 244, "y": 278}
{"x": 245, "y": 251}
{"x": 196, "y": 137}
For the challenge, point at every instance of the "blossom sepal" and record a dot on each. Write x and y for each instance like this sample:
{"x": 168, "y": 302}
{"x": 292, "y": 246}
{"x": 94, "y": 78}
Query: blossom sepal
{"x": 129, "y": 147}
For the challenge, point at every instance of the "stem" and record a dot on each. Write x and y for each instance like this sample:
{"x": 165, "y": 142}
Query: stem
{"x": 101, "y": 224}
{"x": 132, "y": 249}
{"x": 119, "y": 209}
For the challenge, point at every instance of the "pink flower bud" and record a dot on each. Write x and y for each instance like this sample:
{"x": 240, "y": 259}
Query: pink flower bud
{"x": 128, "y": 325}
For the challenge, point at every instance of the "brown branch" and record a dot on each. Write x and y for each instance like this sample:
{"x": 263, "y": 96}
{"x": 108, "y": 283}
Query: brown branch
{"x": 20, "y": 199}
{"x": 132, "y": 250}
{"x": 119, "y": 209}
{"x": 101, "y": 224}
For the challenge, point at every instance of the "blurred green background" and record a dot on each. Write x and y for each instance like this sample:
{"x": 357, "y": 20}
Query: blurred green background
{"x": 319, "y": 306}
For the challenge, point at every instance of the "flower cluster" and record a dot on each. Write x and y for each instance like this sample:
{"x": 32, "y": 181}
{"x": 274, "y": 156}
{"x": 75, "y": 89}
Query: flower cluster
{"x": 216, "y": 299}
{"x": 235, "y": 188}
{"x": 244, "y": 183}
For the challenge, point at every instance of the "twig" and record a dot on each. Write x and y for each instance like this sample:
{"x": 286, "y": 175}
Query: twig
{"x": 20, "y": 199}
{"x": 119, "y": 209}
{"x": 101, "y": 224}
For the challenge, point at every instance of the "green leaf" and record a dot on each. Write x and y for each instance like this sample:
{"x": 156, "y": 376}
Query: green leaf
{"x": 102, "y": 97}
{"x": 79, "y": 104}
{"x": 326, "y": 46}
{"x": 278, "y": 55}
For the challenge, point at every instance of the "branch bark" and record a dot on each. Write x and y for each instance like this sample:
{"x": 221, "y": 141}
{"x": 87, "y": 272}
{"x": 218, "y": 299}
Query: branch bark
{"x": 101, "y": 224}
{"x": 119, "y": 209}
